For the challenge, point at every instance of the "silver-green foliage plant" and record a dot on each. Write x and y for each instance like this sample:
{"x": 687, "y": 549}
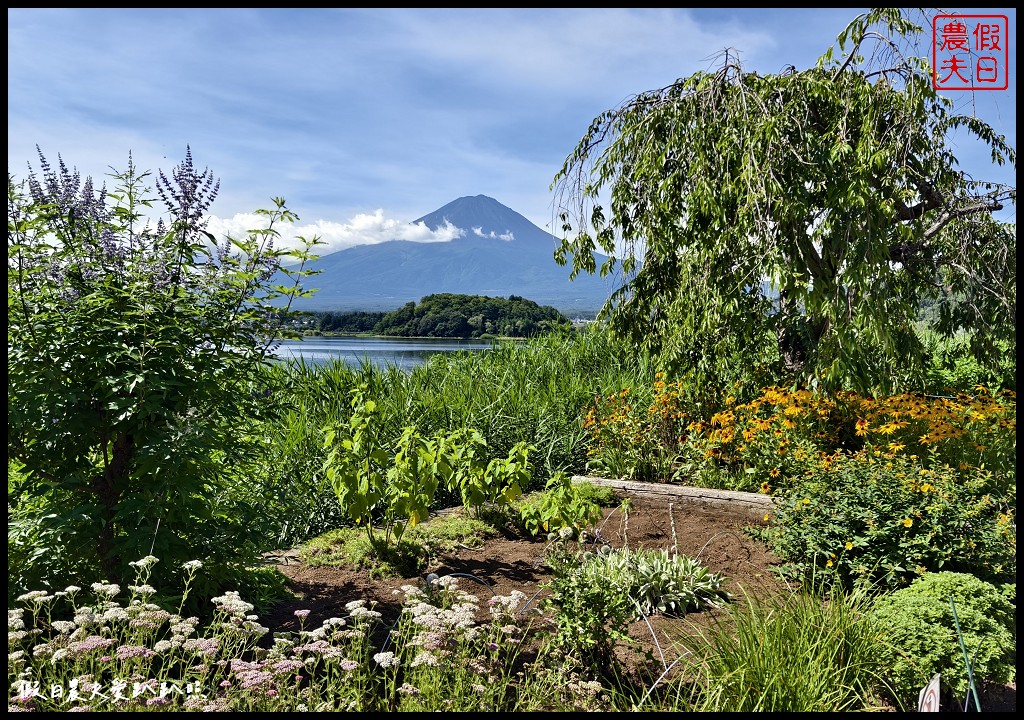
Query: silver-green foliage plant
{"x": 673, "y": 584}
{"x": 135, "y": 356}
{"x": 919, "y": 622}
{"x": 597, "y": 594}
{"x": 658, "y": 581}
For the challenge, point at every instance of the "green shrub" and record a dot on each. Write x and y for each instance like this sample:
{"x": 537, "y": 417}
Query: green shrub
{"x": 136, "y": 435}
{"x": 886, "y": 520}
{"x": 919, "y": 623}
{"x": 562, "y": 506}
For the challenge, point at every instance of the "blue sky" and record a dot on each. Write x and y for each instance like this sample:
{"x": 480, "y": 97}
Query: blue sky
{"x": 366, "y": 119}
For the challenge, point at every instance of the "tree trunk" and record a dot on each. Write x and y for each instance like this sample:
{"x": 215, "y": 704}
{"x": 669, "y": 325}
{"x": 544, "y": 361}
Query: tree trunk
{"x": 112, "y": 486}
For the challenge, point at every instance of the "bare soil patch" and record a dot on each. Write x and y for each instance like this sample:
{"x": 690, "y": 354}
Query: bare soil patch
{"x": 502, "y": 564}
{"x": 715, "y": 536}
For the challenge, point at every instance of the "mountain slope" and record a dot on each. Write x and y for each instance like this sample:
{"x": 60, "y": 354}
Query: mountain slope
{"x": 500, "y": 253}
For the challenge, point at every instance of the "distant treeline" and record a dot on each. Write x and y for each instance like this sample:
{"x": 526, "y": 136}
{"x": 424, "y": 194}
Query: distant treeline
{"x": 448, "y": 315}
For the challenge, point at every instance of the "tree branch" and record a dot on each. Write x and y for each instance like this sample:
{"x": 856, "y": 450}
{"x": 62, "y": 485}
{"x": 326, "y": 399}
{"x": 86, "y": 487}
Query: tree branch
{"x": 937, "y": 226}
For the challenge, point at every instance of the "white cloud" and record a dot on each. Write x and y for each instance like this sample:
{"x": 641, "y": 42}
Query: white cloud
{"x": 363, "y": 229}
{"x": 506, "y": 236}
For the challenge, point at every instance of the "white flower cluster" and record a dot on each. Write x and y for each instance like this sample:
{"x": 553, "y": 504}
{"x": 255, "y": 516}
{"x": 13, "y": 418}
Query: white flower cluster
{"x": 231, "y": 603}
{"x": 106, "y": 590}
{"x": 36, "y": 597}
{"x": 504, "y": 605}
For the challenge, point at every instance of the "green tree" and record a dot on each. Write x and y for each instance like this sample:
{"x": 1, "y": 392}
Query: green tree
{"x": 807, "y": 213}
{"x": 135, "y": 358}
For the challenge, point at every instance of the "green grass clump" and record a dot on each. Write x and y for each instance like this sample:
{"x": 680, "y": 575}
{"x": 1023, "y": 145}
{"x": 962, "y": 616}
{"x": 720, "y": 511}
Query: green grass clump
{"x": 797, "y": 652}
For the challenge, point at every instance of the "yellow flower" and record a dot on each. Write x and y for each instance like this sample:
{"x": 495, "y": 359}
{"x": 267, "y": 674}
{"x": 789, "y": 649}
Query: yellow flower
{"x": 774, "y": 472}
{"x": 828, "y": 564}
{"x": 765, "y": 487}
{"x": 766, "y": 517}
{"x": 907, "y": 522}
{"x": 926, "y": 487}
{"x": 807, "y": 501}
{"x": 849, "y": 545}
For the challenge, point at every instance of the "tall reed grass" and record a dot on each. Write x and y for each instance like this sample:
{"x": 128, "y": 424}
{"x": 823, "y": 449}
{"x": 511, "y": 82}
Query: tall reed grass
{"x": 534, "y": 391}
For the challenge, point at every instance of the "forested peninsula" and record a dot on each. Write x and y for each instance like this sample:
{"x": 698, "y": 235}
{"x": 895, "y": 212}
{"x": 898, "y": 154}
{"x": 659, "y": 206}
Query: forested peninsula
{"x": 446, "y": 315}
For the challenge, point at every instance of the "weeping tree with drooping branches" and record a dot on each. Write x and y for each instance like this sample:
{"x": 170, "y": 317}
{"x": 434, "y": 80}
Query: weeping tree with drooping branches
{"x": 134, "y": 358}
{"x": 797, "y": 219}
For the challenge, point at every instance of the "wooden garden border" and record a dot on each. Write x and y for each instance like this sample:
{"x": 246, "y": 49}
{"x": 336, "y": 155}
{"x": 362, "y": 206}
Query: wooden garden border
{"x": 754, "y": 503}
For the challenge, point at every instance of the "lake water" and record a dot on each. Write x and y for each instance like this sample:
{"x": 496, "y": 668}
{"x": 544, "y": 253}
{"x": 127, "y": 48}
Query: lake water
{"x": 405, "y": 353}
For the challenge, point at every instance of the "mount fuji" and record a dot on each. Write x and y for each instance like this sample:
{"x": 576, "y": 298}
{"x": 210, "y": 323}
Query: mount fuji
{"x": 499, "y": 253}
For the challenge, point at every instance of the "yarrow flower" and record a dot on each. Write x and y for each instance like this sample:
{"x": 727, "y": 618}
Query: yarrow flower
{"x": 126, "y": 652}
{"x": 231, "y": 602}
{"x": 64, "y": 627}
{"x": 93, "y": 642}
{"x": 385, "y": 659}
{"x": 36, "y": 597}
{"x": 108, "y": 590}
{"x": 115, "y": 614}
{"x": 203, "y": 646}
{"x": 146, "y": 562}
